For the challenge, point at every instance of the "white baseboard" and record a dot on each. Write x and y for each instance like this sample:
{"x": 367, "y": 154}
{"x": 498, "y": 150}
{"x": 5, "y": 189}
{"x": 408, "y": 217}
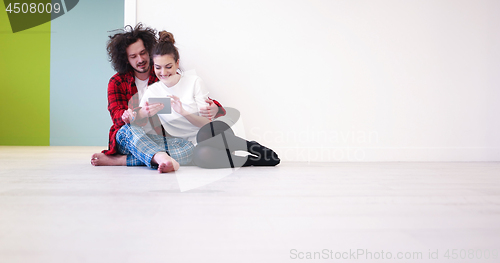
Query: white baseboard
{"x": 389, "y": 154}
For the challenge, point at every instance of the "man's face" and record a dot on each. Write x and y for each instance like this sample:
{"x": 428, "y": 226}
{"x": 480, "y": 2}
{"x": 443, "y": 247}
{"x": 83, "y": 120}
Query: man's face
{"x": 138, "y": 57}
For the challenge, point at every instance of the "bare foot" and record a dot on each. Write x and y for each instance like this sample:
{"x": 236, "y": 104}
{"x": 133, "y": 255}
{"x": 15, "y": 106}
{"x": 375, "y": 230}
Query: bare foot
{"x": 100, "y": 159}
{"x": 166, "y": 167}
{"x": 165, "y": 162}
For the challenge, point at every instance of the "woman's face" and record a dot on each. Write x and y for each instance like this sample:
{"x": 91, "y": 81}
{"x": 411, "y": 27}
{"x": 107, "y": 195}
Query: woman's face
{"x": 165, "y": 67}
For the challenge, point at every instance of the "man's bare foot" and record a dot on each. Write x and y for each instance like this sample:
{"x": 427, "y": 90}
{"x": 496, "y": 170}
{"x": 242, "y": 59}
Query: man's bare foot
{"x": 165, "y": 162}
{"x": 100, "y": 159}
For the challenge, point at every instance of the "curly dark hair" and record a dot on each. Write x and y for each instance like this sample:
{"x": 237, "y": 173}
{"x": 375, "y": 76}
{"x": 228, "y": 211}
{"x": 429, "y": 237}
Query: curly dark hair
{"x": 118, "y": 43}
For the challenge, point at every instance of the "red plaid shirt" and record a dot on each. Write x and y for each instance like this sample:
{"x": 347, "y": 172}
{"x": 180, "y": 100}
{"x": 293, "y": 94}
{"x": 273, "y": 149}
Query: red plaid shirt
{"x": 121, "y": 91}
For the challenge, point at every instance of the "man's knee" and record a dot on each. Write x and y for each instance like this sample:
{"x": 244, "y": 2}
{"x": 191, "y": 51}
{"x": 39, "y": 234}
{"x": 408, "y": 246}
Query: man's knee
{"x": 123, "y": 133}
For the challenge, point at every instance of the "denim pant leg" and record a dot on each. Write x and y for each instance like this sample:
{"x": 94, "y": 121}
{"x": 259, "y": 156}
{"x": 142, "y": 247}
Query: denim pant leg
{"x": 132, "y": 140}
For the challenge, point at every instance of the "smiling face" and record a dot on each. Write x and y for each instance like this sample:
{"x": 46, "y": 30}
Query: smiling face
{"x": 138, "y": 57}
{"x": 166, "y": 68}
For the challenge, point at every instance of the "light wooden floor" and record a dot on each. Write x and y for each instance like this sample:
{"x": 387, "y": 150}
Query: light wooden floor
{"x": 56, "y": 207}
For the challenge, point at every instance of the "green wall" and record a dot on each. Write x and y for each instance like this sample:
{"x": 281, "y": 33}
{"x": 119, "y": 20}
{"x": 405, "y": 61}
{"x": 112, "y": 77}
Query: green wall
{"x": 25, "y": 86}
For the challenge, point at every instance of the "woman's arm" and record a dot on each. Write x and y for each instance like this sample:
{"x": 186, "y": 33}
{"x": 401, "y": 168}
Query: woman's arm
{"x": 149, "y": 110}
{"x": 146, "y": 110}
{"x": 193, "y": 118}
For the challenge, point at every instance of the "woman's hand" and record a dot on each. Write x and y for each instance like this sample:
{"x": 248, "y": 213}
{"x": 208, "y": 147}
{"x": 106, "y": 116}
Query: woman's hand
{"x": 209, "y": 111}
{"x": 150, "y": 110}
{"x": 177, "y": 105}
{"x": 194, "y": 119}
{"x": 128, "y": 116}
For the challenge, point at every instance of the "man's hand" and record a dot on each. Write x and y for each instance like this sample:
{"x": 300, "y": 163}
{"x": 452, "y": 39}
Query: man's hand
{"x": 128, "y": 116}
{"x": 209, "y": 111}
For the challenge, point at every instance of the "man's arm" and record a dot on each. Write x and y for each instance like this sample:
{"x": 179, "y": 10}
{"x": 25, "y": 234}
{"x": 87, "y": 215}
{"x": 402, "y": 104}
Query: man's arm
{"x": 120, "y": 99}
{"x": 117, "y": 100}
{"x": 220, "y": 110}
{"x": 213, "y": 110}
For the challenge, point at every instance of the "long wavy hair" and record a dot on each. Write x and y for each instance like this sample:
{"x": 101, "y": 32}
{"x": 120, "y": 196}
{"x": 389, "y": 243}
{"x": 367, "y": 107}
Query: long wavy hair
{"x": 118, "y": 43}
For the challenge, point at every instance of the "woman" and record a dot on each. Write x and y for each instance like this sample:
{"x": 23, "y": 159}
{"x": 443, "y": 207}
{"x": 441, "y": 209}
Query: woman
{"x": 215, "y": 141}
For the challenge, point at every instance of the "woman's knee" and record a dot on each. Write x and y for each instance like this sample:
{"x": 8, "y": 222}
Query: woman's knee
{"x": 202, "y": 156}
{"x": 213, "y": 129}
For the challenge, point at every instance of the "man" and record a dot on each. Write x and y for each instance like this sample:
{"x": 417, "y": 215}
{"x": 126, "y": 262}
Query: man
{"x": 129, "y": 53}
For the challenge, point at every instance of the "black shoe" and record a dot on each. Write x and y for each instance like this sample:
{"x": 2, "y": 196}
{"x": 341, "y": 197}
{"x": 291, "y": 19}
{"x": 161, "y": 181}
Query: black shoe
{"x": 263, "y": 155}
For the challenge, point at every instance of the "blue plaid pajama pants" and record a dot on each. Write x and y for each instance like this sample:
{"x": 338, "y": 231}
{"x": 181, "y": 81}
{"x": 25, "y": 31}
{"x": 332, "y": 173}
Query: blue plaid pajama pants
{"x": 141, "y": 147}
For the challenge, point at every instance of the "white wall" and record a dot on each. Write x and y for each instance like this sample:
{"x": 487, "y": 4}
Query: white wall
{"x": 348, "y": 80}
